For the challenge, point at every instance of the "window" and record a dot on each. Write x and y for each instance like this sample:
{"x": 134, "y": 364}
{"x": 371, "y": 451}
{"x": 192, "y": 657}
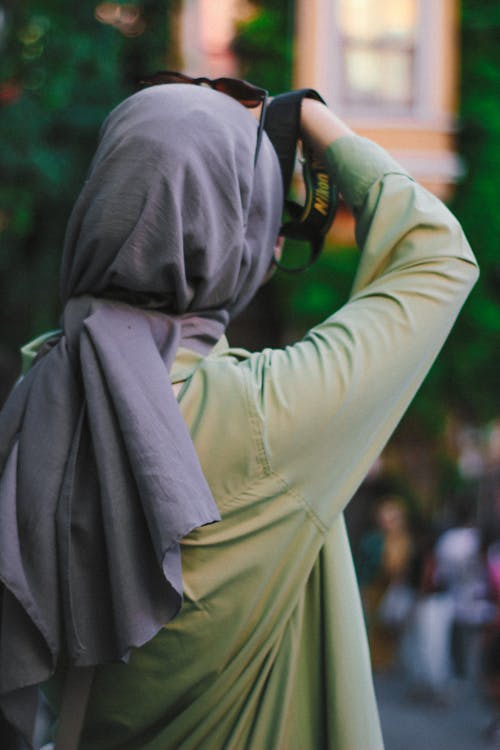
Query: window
{"x": 390, "y": 69}
{"x": 377, "y": 50}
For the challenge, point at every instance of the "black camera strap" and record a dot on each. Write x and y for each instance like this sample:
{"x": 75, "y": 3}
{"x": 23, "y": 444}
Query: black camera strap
{"x": 311, "y": 221}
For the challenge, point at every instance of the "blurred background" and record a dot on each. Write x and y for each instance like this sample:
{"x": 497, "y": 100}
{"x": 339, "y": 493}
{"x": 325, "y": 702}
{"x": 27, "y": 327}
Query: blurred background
{"x": 422, "y": 78}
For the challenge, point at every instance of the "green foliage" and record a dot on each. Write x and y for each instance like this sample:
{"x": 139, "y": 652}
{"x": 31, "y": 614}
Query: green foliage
{"x": 465, "y": 378}
{"x": 61, "y": 71}
{"x": 310, "y": 296}
{"x": 264, "y": 45}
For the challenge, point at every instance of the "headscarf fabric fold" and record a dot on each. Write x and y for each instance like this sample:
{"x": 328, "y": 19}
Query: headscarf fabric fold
{"x": 170, "y": 237}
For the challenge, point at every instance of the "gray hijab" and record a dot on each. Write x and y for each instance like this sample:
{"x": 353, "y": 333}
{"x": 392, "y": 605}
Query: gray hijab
{"x": 170, "y": 237}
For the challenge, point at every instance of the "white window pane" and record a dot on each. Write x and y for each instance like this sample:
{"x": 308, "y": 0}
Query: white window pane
{"x": 378, "y": 19}
{"x": 378, "y": 76}
{"x": 361, "y": 73}
{"x": 378, "y": 42}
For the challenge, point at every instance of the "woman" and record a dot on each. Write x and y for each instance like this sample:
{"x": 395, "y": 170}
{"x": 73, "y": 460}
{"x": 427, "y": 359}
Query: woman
{"x": 104, "y": 488}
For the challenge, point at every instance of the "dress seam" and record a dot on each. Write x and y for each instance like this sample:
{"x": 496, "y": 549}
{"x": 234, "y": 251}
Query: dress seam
{"x": 263, "y": 458}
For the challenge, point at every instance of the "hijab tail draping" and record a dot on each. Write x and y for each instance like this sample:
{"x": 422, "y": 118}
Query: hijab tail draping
{"x": 100, "y": 479}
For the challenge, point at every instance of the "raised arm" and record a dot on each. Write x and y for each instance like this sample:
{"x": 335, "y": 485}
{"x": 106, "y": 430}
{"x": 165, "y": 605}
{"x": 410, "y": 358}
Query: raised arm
{"x": 320, "y": 126}
{"x": 330, "y": 402}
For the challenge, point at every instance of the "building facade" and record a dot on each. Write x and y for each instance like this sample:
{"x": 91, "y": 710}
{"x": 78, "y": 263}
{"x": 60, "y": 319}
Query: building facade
{"x": 388, "y": 67}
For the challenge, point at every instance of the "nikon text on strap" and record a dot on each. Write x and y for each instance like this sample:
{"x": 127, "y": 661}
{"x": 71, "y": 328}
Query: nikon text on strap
{"x": 311, "y": 221}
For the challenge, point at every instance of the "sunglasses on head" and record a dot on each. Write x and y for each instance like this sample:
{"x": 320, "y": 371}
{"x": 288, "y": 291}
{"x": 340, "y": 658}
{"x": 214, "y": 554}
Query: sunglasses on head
{"x": 245, "y": 93}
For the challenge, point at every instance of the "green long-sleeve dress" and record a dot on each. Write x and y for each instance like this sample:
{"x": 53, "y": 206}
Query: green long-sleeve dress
{"x": 269, "y": 651}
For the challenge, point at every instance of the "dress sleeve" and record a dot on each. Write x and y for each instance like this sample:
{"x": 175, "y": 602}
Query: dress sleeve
{"x": 329, "y": 403}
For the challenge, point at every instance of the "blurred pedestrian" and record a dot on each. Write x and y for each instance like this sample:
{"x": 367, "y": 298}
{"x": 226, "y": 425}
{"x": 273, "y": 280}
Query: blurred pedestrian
{"x": 490, "y": 661}
{"x": 383, "y": 563}
{"x": 426, "y": 641}
{"x": 442, "y": 638}
{"x": 460, "y": 571}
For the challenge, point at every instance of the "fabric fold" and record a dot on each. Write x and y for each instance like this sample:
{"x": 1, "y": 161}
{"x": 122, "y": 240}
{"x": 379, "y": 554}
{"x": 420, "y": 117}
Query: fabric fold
{"x": 171, "y": 236}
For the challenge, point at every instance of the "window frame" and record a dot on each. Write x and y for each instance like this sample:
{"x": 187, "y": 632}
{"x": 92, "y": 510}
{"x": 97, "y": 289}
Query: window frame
{"x": 425, "y": 107}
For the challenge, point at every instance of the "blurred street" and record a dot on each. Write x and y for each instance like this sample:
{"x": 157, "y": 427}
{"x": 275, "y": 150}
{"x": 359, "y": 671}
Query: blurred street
{"x": 417, "y": 725}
